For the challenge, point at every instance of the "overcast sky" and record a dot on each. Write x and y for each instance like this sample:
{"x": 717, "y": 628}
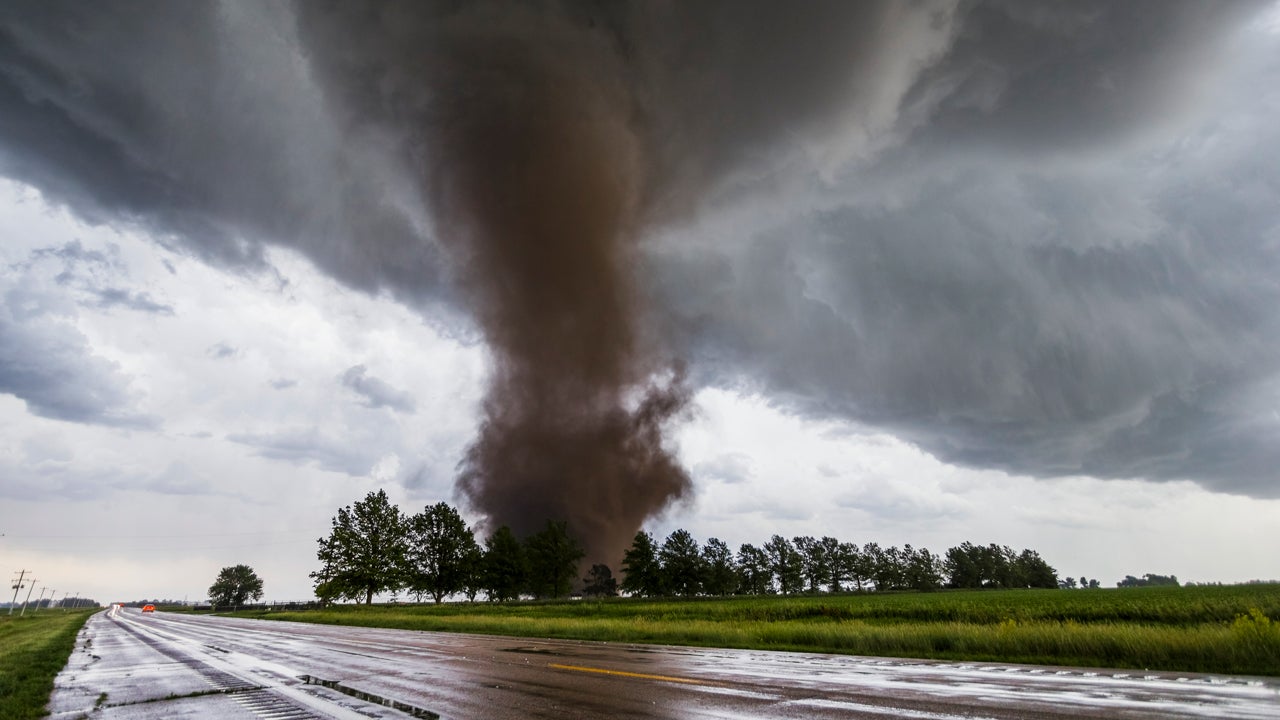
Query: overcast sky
{"x": 981, "y": 271}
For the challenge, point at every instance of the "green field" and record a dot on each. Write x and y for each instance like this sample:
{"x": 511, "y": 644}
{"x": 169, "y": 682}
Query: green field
{"x": 1198, "y": 629}
{"x": 33, "y": 648}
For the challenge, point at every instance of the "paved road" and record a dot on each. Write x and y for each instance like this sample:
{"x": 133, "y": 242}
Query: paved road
{"x": 131, "y": 666}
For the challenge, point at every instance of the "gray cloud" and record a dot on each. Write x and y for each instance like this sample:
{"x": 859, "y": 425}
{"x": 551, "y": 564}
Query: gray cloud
{"x": 375, "y": 392}
{"x": 95, "y": 274}
{"x": 140, "y": 301}
{"x": 73, "y": 253}
{"x": 308, "y": 445}
{"x": 728, "y": 468}
{"x": 48, "y": 363}
{"x": 42, "y": 480}
{"x": 991, "y": 259}
{"x": 221, "y": 351}
{"x": 178, "y": 478}
{"x": 902, "y": 503}
{"x": 283, "y": 383}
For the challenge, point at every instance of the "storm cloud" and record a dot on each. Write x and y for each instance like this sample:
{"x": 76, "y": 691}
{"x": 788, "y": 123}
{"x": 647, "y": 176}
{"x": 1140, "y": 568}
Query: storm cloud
{"x": 1037, "y": 237}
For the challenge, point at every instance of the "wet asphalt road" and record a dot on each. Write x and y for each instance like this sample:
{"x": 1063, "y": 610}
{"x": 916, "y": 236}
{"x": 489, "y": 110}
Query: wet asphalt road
{"x": 130, "y": 666}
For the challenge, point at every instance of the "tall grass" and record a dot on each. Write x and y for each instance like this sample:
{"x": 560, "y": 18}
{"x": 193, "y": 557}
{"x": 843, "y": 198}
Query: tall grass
{"x": 1212, "y": 629}
{"x": 33, "y": 649}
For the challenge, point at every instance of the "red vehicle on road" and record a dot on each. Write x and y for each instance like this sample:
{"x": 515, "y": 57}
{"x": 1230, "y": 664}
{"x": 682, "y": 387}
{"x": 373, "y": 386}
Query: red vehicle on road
{"x": 148, "y": 608}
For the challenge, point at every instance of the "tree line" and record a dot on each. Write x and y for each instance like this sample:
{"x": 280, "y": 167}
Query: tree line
{"x": 804, "y": 564}
{"x": 1149, "y": 580}
{"x": 374, "y": 548}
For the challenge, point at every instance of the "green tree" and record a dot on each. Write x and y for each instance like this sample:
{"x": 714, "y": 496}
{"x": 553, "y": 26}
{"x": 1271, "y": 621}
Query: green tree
{"x": 473, "y": 570}
{"x": 815, "y": 567}
{"x": 553, "y": 557}
{"x": 600, "y": 582}
{"x": 641, "y": 572}
{"x": 1149, "y": 580}
{"x": 1004, "y": 571}
{"x": 889, "y": 567}
{"x": 1034, "y": 572}
{"x": 786, "y": 564}
{"x": 441, "y": 550}
{"x": 876, "y": 561}
{"x": 963, "y": 564}
{"x": 923, "y": 569}
{"x": 836, "y": 573}
{"x": 364, "y": 553}
{"x": 848, "y": 566}
{"x": 235, "y": 586}
{"x": 721, "y": 574}
{"x": 755, "y": 575}
{"x": 681, "y": 564}
{"x": 503, "y": 569}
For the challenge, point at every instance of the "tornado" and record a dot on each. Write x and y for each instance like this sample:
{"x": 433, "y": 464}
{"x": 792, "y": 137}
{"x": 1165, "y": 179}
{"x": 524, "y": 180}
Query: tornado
{"x": 535, "y": 177}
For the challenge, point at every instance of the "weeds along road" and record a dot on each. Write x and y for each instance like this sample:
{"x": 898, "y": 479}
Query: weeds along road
{"x": 129, "y": 665}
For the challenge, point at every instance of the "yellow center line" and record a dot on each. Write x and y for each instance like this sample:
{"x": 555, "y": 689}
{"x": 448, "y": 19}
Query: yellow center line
{"x": 624, "y": 673}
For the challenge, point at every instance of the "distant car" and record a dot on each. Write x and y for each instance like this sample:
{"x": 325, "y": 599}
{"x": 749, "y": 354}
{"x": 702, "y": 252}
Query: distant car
{"x": 148, "y": 608}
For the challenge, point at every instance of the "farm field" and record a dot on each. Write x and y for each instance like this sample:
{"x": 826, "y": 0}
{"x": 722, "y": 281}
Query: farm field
{"x": 1197, "y": 629}
{"x": 33, "y": 649}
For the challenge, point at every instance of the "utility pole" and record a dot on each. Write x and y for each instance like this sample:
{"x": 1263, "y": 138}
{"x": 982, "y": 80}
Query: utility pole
{"x": 64, "y": 600}
{"x": 30, "y": 587}
{"x": 17, "y": 585}
{"x": 40, "y": 598}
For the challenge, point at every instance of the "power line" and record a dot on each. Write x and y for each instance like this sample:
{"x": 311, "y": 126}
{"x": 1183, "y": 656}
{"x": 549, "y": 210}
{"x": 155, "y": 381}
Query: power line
{"x": 17, "y": 585}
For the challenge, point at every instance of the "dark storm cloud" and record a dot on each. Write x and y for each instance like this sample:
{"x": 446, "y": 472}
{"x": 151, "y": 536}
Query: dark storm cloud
{"x": 376, "y": 393}
{"x": 1114, "y": 319}
{"x": 1046, "y": 78}
{"x": 939, "y": 219}
{"x": 200, "y": 123}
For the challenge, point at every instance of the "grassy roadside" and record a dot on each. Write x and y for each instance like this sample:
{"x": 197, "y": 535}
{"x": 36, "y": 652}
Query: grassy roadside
{"x": 1211, "y": 629}
{"x": 33, "y": 649}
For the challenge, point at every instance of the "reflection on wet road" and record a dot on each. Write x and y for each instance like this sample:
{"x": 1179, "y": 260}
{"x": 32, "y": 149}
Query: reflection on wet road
{"x": 163, "y": 665}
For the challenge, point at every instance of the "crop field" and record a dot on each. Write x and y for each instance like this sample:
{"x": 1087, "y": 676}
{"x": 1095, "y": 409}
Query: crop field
{"x": 33, "y": 649}
{"x": 1232, "y": 629}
